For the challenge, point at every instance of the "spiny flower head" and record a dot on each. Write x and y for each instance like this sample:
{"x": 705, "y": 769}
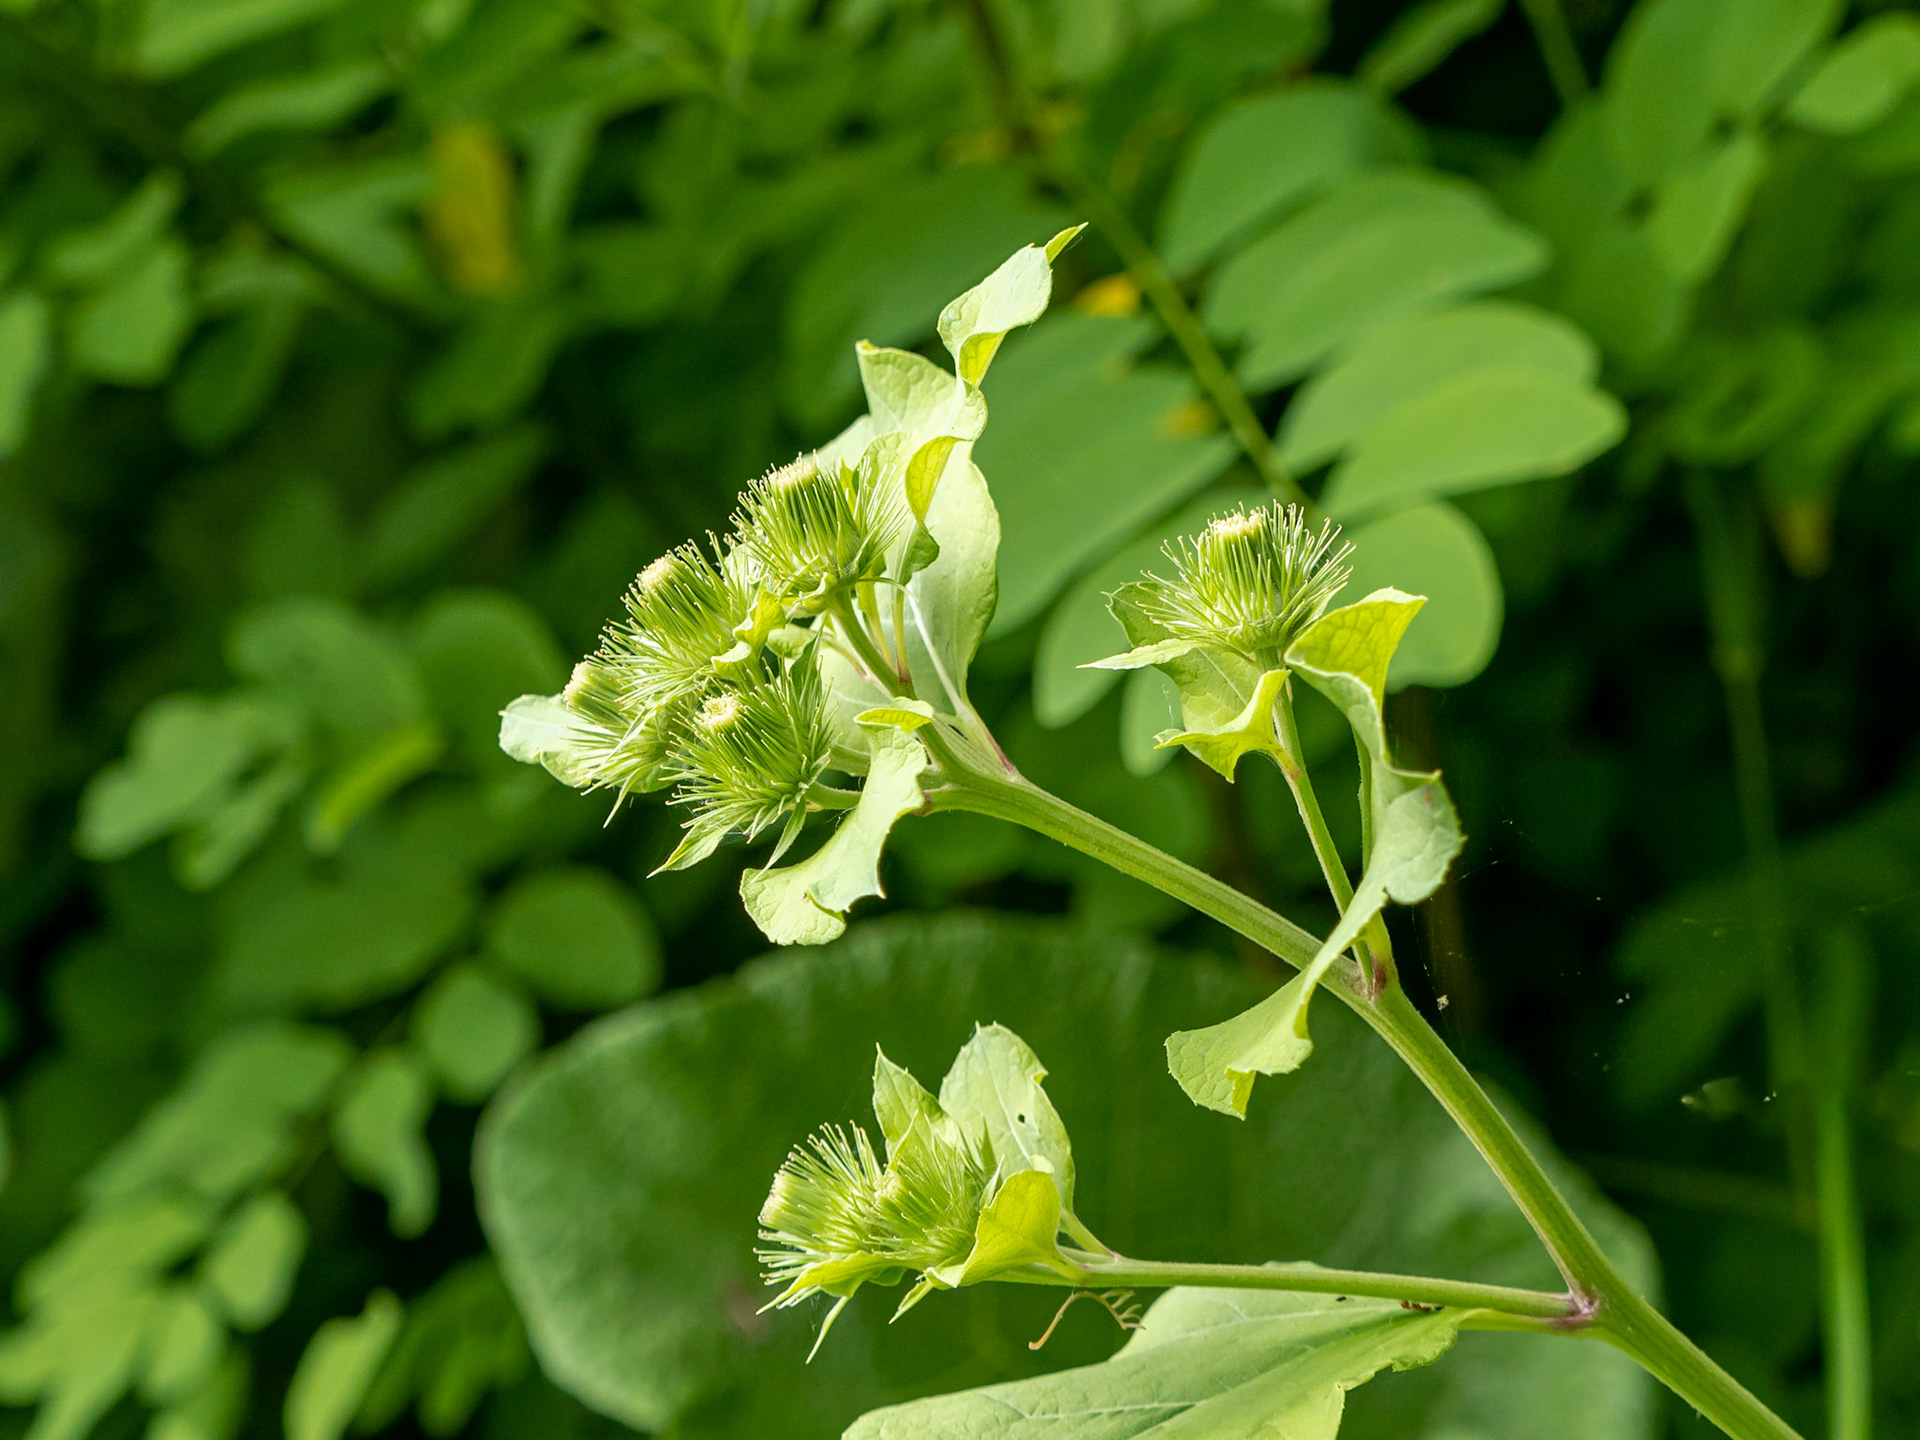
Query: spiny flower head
{"x": 1250, "y": 581}
{"x": 746, "y": 758}
{"x": 682, "y": 611}
{"x": 623, "y": 741}
{"x": 836, "y": 1218}
{"x": 812, "y": 529}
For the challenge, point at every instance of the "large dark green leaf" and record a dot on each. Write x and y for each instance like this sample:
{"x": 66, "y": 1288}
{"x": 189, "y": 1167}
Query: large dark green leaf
{"x": 643, "y": 1301}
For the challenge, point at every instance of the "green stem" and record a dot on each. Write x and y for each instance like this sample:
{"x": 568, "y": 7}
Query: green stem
{"x": 1142, "y": 261}
{"x": 1146, "y": 270}
{"x": 1294, "y": 767}
{"x": 1375, "y": 949}
{"x": 1119, "y": 1270}
{"x": 864, "y": 646}
{"x": 1843, "y": 1274}
{"x": 1617, "y": 1313}
{"x": 1557, "y": 50}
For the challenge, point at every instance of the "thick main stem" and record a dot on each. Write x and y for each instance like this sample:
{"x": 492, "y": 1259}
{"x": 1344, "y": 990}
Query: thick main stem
{"x": 1617, "y": 1313}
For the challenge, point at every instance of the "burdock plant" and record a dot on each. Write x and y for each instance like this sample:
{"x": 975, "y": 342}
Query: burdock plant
{"x": 815, "y": 664}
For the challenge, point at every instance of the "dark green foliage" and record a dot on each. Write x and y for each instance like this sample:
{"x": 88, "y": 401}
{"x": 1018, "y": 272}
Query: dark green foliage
{"x": 355, "y": 355}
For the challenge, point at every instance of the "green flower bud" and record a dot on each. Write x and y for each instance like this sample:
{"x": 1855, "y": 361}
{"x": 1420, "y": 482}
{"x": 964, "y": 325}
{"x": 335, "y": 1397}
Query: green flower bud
{"x": 1250, "y": 582}
{"x": 812, "y": 530}
{"x": 745, "y": 759}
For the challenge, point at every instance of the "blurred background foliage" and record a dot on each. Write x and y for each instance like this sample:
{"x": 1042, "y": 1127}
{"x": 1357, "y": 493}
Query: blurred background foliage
{"x": 354, "y": 354}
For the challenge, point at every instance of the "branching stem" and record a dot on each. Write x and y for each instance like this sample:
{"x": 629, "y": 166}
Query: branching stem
{"x": 1615, "y": 1311}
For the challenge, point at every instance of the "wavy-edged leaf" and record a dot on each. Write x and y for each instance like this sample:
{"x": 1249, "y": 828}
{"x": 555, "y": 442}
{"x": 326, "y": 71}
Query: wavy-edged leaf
{"x": 993, "y": 1089}
{"x": 807, "y": 903}
{"x": 1435, "y": 551}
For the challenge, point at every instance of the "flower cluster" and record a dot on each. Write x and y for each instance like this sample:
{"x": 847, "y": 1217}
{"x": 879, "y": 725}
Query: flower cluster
{"x": 707, "y": 684}
{"x": 1250, "y": 582}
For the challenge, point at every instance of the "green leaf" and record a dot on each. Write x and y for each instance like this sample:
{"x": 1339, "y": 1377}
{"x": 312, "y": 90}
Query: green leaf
{"x": 232, "y": 1120}
{"x": 541, "y": 730}
{"x": 1735, "y": 399}
{"x": 1374, "y": 248}
{"x": 78, "y": 1358}
{"x": 891, "y": 263}
{"x": 231, "y": 374}
{"x": 359, "y": 215}
{"x": 368, "y": 922}
{"x": 477, "y": 650}
{"x": 951, "y": 601}
{"x": 377, "y": 1135}
{"x": 1016, "y": 294}
{"x": 1227, "y": 1364}
{"x": 1419, "y": 41}
{"x": 337, "y": 1367}
{"x": 1869, "y": 70}
{"x": 1481, "y": 394}
{"x": 25, "y": 351}
{"x": 1608, "y": 275}
{"x": 1264, "y": 155}
{"x": 1084, "y": 449}
{"x": 91, "y": 257}
{"x": 1079, "y": 629}
{"x": 807, "y": 903}
{"x": 1149, "y": 707}
{"x": 368, "y": 776}
{"x": 1435, "y": 551}
{"x": 1680, "y": 66}
{"x": 331, "y": 661}
{"x": 129, "y": 331}
{"x": 213, "y": 1412}
{"x": 993, "y": 1087}
{"x": 174, "y": 36}
{"x": 119, "y": 1245}
{"x": 1250, "y": 732}
{"x": 437, "y": 505}
{"x": 185, "y": 755}
{"x": 185, "y": 1341}
{"x": 473, "y": 1030}
{"x": 1400, "y": 363}
{"x": 490, "y": 369}
{"x": 250, "y": 1266}
{"x": 462, "y": 1339}
{"x": 577, "y": 937}
{"x": 909, "y": 394}
{"x": 303, "y": 100}
{"x": 1698, "y": 207}
{"x": 1216, "y": 1066}
{"x": 1016, "y": 1229}
{"x": 631, "y": 1305}
{"x": 901, "y": 1102}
